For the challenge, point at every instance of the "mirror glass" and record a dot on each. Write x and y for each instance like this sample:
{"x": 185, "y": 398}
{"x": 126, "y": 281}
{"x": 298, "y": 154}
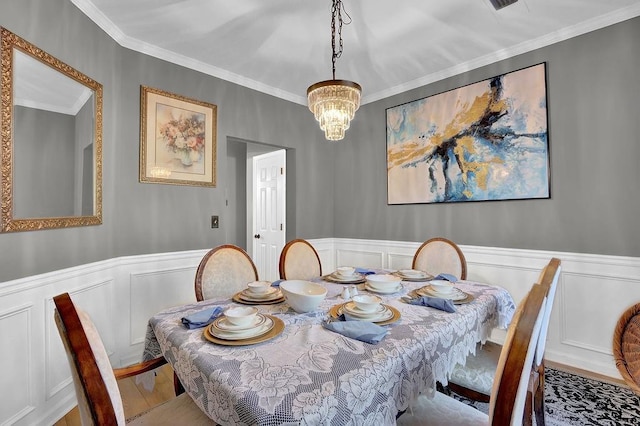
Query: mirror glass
{"x": 51, "y": 141}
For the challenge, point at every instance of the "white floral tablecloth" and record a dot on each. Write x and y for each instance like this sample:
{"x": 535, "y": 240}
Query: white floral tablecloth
{"x": 311, "y": 376}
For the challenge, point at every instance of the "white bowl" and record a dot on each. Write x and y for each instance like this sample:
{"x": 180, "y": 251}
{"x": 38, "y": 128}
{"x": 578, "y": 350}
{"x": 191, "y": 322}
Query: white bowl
{"x": 241, "y": 315}
{"x": 367, "y": 302}
{"x": 383, "y": 281}
{"x": 259, "y": 287}
{"x": 442, "y": 286}
{"x": 303, "y": 296}
{"x": 346, "y": 271}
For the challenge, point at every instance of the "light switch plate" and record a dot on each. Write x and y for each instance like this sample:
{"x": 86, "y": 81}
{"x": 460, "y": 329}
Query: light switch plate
{"x": 215, "y": 222}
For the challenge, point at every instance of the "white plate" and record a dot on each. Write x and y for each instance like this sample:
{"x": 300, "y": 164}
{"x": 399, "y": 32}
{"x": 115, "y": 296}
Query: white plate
{"x": 389, "y": 291}
{"x": 386, "y": 315}
{"x": 456, "y": 294}
{"x": 240, "y": 335}
{"x": 223, "y": 324}
{"x": 412, "y": 273}
{"x": 273, "y": 295}
{"x": 268, "y": 294}
{"x": 351, "y": 308}
{"x": 354, "y": 277}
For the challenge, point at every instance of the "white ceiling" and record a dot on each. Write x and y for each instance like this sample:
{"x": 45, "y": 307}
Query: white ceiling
{"x": 281, "y": 47}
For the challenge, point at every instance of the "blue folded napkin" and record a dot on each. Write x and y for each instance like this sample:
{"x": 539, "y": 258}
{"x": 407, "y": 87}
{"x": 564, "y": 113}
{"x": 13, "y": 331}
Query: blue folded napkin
{"x": 276, "y": 283}
{"x": 434, "y": 302}
{"x": 364, "y": 331}
{"x": 202, "y": 318}
{"x": 448, "y": 277}
{"x": 365, "y": 271}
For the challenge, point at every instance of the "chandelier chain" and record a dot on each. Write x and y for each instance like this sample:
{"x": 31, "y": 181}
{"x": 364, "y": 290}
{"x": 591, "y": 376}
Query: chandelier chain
{"x": 336, "y": 12}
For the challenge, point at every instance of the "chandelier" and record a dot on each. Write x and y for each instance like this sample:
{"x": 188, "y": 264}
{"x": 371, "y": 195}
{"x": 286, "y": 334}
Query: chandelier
{"x": 334, "y": 102}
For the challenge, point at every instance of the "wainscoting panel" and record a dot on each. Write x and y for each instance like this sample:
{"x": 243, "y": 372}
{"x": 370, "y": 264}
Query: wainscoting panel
{"x": 16, "y": 355}
{"x": 155, "y": 291}
{"x": 121, "y": 294}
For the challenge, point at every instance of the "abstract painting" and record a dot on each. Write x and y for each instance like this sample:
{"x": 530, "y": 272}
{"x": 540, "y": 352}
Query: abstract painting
{"x": 484, "y": 141}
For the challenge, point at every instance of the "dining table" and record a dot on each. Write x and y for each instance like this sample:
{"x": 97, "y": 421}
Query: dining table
{"x": 308, "y": 375}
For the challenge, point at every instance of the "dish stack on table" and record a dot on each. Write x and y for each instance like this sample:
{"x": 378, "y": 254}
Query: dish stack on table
{"x": 365, "y": 307}
{"x": 259, "y": 293}
{"x": 243, "y": 325}
{"x": 413, "y": 275}
{"x": 383, "y": 283}
{"x": 444, "y": 289}
{"x": 345, "y": 275}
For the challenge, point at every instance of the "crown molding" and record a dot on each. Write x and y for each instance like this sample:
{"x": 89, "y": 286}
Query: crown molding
{"x": 89, "y": 9}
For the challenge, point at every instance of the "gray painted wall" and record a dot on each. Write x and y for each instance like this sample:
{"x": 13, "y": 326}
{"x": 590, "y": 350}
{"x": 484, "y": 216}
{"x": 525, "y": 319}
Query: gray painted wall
{"x": 593, "y": 87}
{"x": 151, "y": 218}
{"x": 340, "y": 189}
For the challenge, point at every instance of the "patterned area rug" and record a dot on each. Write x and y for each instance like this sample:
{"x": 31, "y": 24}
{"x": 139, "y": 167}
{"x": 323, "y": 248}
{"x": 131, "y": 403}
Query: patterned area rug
{"x": 576, "y": 400}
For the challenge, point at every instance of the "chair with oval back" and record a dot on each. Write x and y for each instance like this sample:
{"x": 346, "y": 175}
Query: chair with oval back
{"x": 440, "y": 255}
{"x": 509, "y": 391}
{"x": 299, "y": 261}
{"x": 475, "y": 379}
{"x": 626, "y": 347}
{"x": 95, "y": 381}
{"x": 224, "y": 271}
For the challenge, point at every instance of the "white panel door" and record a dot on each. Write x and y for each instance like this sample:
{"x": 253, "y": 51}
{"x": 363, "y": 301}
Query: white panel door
{"x": 269, "y": 212}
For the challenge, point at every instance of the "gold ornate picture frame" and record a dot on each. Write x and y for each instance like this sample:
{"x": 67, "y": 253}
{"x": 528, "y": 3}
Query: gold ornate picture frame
{"x": 51, "y": 141}
{"x": 177, "y": 139}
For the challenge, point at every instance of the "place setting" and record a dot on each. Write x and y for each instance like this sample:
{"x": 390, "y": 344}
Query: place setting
{"x": 443, "y": 289}
{"x": 383, "y": 283}
{"x": 365, "y": 307}
{"x": 259, "y": 293}
{"x": 243, "y": 325}
{"x": 413, "y": 275}
{"x": 346, "y": 275}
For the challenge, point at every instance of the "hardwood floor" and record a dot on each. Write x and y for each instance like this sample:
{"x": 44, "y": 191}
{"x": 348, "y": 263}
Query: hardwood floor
{"x": 136, "y": 398}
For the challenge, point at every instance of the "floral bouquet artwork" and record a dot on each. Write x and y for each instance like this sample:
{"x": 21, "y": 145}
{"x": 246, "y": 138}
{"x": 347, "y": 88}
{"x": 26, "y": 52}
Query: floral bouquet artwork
{"x": 177, "y": 139}
{"x": 181, "y": 133}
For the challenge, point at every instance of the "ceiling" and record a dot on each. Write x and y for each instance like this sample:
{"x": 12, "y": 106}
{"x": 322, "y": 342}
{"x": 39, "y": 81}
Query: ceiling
{"x": 281, "y": 47}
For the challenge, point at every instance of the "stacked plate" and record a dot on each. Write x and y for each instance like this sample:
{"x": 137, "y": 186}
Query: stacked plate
{"x": 355, "y": 278}
{"x": 454, "y": 293}
{"x": 352, "y": 312}
{"x": 222, "y": 328}
{"x": 383, "y": 284}
{"x": 413, "y": 275}
{"x": 271, "y": 296}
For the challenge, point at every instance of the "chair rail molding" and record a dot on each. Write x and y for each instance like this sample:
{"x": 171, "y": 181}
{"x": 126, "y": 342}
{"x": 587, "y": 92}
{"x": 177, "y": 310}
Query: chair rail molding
{"x": 122, "y": 293}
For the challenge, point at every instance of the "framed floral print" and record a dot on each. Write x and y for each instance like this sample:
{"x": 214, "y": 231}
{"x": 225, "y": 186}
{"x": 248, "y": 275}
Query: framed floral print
{"x": 484, "y": 141}
{"x": 177, "y": 139}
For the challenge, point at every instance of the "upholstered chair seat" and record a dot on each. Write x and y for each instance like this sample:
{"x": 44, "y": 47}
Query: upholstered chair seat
{"x": 95, "y": 381}
{"x": 479, "y": 369}
{"x": 224, "y": 271}
{"x": 475, "y": 378}
{"x": 299, "y": 261}
{"x": 440, "y": 255}
{"x": 511, "y": 380}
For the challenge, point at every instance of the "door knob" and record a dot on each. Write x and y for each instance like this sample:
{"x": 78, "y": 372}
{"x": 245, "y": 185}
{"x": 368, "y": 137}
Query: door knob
{"x": 256, "y": 236}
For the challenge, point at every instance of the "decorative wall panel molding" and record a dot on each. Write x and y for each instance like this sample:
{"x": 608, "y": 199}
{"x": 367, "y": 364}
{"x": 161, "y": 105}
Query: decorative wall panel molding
{"x": 17, "y": 355}
{"x": 121, "y": 294}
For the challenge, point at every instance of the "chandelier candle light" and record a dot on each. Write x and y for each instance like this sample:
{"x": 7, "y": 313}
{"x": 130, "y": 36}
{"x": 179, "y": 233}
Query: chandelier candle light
{"x": 334, "y": 102}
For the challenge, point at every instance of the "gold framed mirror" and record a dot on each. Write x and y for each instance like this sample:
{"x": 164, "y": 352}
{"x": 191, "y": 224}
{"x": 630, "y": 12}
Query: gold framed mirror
{"x": 51, "y": 147}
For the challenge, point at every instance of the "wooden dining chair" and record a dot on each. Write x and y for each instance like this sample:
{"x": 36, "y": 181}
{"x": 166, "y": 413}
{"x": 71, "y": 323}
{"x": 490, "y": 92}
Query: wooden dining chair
{"x": 475, "y": 379}
{"x": 224, "y": 271}
{"x": 95, "y": 381}
{"x": 626, "y": 347}
{"x": 440, "y": 255}
{"x": 299, "y": 261}
{"x": 509, "y": 391}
